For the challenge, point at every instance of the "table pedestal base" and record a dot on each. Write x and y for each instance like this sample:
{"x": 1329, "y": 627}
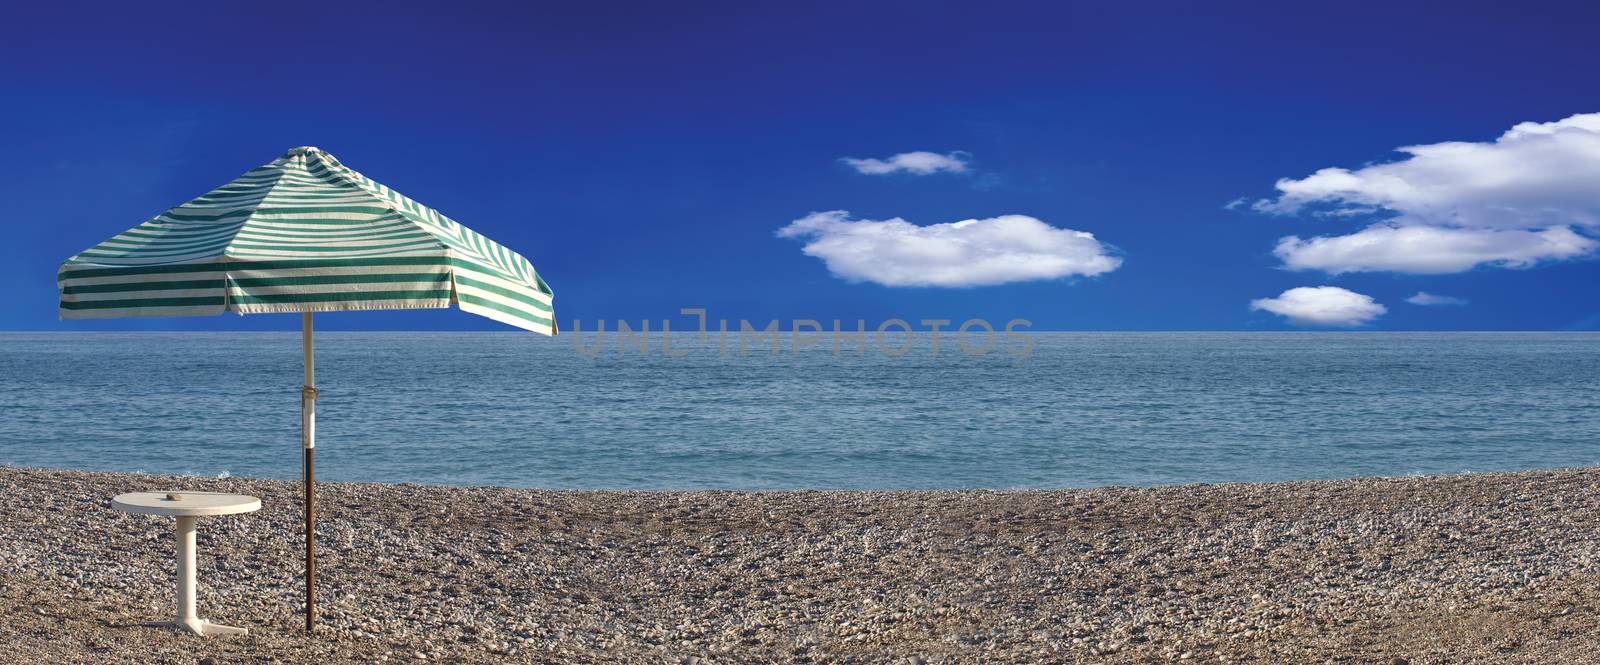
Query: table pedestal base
{"x": 198, "y": 627}
{"x": 186, "y": 619}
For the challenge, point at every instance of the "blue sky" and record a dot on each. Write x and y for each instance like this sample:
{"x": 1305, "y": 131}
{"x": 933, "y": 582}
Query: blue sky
{"x": 646, "y": 157}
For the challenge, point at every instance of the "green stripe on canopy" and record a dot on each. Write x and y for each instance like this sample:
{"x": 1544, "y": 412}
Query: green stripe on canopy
{"x": 304, "y": 233}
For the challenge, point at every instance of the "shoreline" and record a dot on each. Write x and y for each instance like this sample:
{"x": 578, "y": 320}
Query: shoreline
{"x": 890, "y": 491}
{"x": 1483, "y": 567}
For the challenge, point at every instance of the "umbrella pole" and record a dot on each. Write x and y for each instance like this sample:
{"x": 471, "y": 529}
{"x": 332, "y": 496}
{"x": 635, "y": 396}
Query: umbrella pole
{"x": 308, "y": 440}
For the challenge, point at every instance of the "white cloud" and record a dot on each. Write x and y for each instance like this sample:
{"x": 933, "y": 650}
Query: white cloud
{"x": 1428, "y": 299}
{"x": 919, "y": 162}
{"x": 1321, "y": 306}
{"x": 1430, "y": 249}
{"x": 1526, "y": 197}
{"x": 973, "y": 252}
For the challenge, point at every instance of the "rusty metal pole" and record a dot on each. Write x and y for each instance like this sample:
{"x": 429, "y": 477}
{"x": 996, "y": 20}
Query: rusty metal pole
{"x": 308, "y": 441}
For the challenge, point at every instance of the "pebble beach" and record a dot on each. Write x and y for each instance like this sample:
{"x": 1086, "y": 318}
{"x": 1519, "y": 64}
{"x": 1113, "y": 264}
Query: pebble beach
{"x": 1481, "y": 568}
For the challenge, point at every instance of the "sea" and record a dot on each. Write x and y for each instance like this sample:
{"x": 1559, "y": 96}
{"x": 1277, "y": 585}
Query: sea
{"x": 1051, "y": 410}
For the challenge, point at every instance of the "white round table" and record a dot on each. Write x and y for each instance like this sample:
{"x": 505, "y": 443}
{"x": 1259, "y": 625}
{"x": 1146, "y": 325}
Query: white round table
{"x": 187, "y": 507}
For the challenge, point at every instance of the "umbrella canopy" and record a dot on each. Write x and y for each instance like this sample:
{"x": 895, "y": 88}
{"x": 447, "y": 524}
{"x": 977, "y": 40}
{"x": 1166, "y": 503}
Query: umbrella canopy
{"x": 302, "y": 234}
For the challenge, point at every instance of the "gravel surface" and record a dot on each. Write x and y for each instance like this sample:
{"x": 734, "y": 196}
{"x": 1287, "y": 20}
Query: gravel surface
{"x": 1472, "y": 569}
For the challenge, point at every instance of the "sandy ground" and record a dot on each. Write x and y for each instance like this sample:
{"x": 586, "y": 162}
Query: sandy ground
{"x": 1483, "y": 568}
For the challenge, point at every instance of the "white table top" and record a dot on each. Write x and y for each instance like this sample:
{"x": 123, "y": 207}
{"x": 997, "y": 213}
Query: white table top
{"x": 186, "y": 504}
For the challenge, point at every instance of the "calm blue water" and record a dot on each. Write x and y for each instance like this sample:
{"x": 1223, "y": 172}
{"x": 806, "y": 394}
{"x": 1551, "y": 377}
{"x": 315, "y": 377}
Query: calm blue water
{"x": 1083, "y": 409}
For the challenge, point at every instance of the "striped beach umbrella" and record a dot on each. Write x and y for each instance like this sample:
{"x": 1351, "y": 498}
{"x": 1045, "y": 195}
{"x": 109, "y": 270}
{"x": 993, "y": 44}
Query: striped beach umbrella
{"x": 304, "y": 234}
